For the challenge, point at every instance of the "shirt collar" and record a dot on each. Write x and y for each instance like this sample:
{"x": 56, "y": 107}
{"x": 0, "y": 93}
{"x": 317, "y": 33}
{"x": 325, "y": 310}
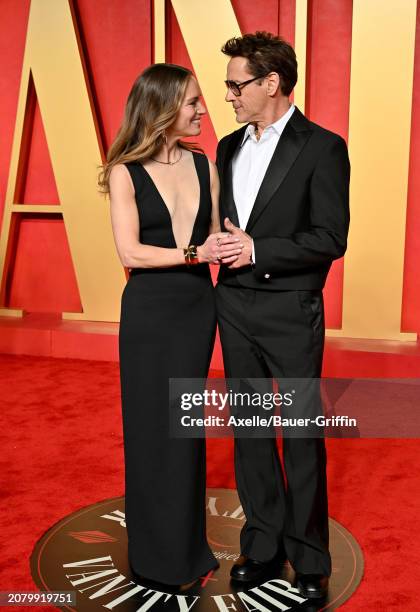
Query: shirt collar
{"x": 278, "y": 126}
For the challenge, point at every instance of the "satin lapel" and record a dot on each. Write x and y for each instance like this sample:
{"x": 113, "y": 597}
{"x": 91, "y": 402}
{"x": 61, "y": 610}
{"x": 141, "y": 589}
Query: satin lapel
{"x": 229, "y": 206}
{"x": 291, "y": 142}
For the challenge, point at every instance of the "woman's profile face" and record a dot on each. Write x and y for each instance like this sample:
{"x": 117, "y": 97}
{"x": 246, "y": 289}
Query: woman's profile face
{"x": 188, "y": 122}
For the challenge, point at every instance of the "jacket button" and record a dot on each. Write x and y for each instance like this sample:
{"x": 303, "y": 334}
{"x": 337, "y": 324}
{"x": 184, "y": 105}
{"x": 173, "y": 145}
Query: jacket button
{"x": 266, "y": 276}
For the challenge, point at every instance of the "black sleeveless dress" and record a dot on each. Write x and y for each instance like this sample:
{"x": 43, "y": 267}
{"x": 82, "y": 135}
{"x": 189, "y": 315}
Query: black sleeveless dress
{"x": 167, "y": 330}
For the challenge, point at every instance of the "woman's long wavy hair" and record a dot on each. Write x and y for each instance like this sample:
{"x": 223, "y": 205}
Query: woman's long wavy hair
{"x": 152, "y": 107}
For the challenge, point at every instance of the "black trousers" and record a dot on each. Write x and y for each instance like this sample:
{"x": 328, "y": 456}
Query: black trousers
{"x": 279, "y": 334}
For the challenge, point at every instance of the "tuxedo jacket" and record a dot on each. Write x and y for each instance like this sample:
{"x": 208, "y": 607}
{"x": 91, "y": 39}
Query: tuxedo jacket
{"x": 300, "y": 218}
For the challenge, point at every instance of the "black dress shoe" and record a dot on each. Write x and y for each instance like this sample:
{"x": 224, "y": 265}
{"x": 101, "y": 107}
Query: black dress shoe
{"x": 312, "y": 586}
{"x": 250, "y": 570}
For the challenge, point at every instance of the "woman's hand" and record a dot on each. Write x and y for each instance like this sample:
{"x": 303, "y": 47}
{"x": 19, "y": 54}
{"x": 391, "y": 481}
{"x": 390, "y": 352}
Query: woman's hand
{"x": 220, "y": 247}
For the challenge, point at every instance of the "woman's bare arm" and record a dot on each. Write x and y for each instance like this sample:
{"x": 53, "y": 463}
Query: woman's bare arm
{"x": 126, "y": 226}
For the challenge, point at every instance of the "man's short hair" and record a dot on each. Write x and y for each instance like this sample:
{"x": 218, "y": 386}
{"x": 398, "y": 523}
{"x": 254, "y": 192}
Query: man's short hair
{"x": 266, "y": 53}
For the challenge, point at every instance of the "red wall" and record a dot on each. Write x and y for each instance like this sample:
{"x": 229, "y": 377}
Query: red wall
{"x": 116, "y": 38}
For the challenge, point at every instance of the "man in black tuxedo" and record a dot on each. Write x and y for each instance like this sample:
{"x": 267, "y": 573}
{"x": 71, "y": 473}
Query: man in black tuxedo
{"x": 285, "y": 194}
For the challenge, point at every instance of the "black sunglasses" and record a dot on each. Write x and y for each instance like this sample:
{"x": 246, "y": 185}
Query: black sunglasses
{"x": 235, "y": 88}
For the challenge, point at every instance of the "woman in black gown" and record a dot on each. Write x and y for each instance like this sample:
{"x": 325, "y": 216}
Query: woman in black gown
{"x": 166, "y": 228}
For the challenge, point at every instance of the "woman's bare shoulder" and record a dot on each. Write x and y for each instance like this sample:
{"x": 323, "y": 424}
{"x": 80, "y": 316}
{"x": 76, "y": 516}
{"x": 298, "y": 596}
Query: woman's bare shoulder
{"x": 120, "y": 178}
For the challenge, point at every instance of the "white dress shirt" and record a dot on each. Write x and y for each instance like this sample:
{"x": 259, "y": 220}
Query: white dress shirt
{"x": 250, "y": 164}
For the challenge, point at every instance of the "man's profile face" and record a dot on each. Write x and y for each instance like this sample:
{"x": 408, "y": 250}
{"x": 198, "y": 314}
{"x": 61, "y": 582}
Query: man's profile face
{"x": 252, "y": 102}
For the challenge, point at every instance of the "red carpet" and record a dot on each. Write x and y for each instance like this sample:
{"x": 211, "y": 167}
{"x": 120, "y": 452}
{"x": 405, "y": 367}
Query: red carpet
{"x": 62, "y": 450}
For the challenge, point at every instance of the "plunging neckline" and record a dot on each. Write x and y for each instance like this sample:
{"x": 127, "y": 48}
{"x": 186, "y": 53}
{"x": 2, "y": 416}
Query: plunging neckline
{"x": 165, "y": 206}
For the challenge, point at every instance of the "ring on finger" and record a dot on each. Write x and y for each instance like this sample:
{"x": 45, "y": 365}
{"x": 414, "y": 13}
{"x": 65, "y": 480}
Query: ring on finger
{"x": 218, "y": 243}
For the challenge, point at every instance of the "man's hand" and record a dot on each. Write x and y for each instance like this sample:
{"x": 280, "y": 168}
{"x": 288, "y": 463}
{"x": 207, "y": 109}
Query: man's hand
{"x": 244, "y": 258}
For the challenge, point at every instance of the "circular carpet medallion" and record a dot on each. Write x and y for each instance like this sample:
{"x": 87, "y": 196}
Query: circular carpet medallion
{"x": 86, "y": 553}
